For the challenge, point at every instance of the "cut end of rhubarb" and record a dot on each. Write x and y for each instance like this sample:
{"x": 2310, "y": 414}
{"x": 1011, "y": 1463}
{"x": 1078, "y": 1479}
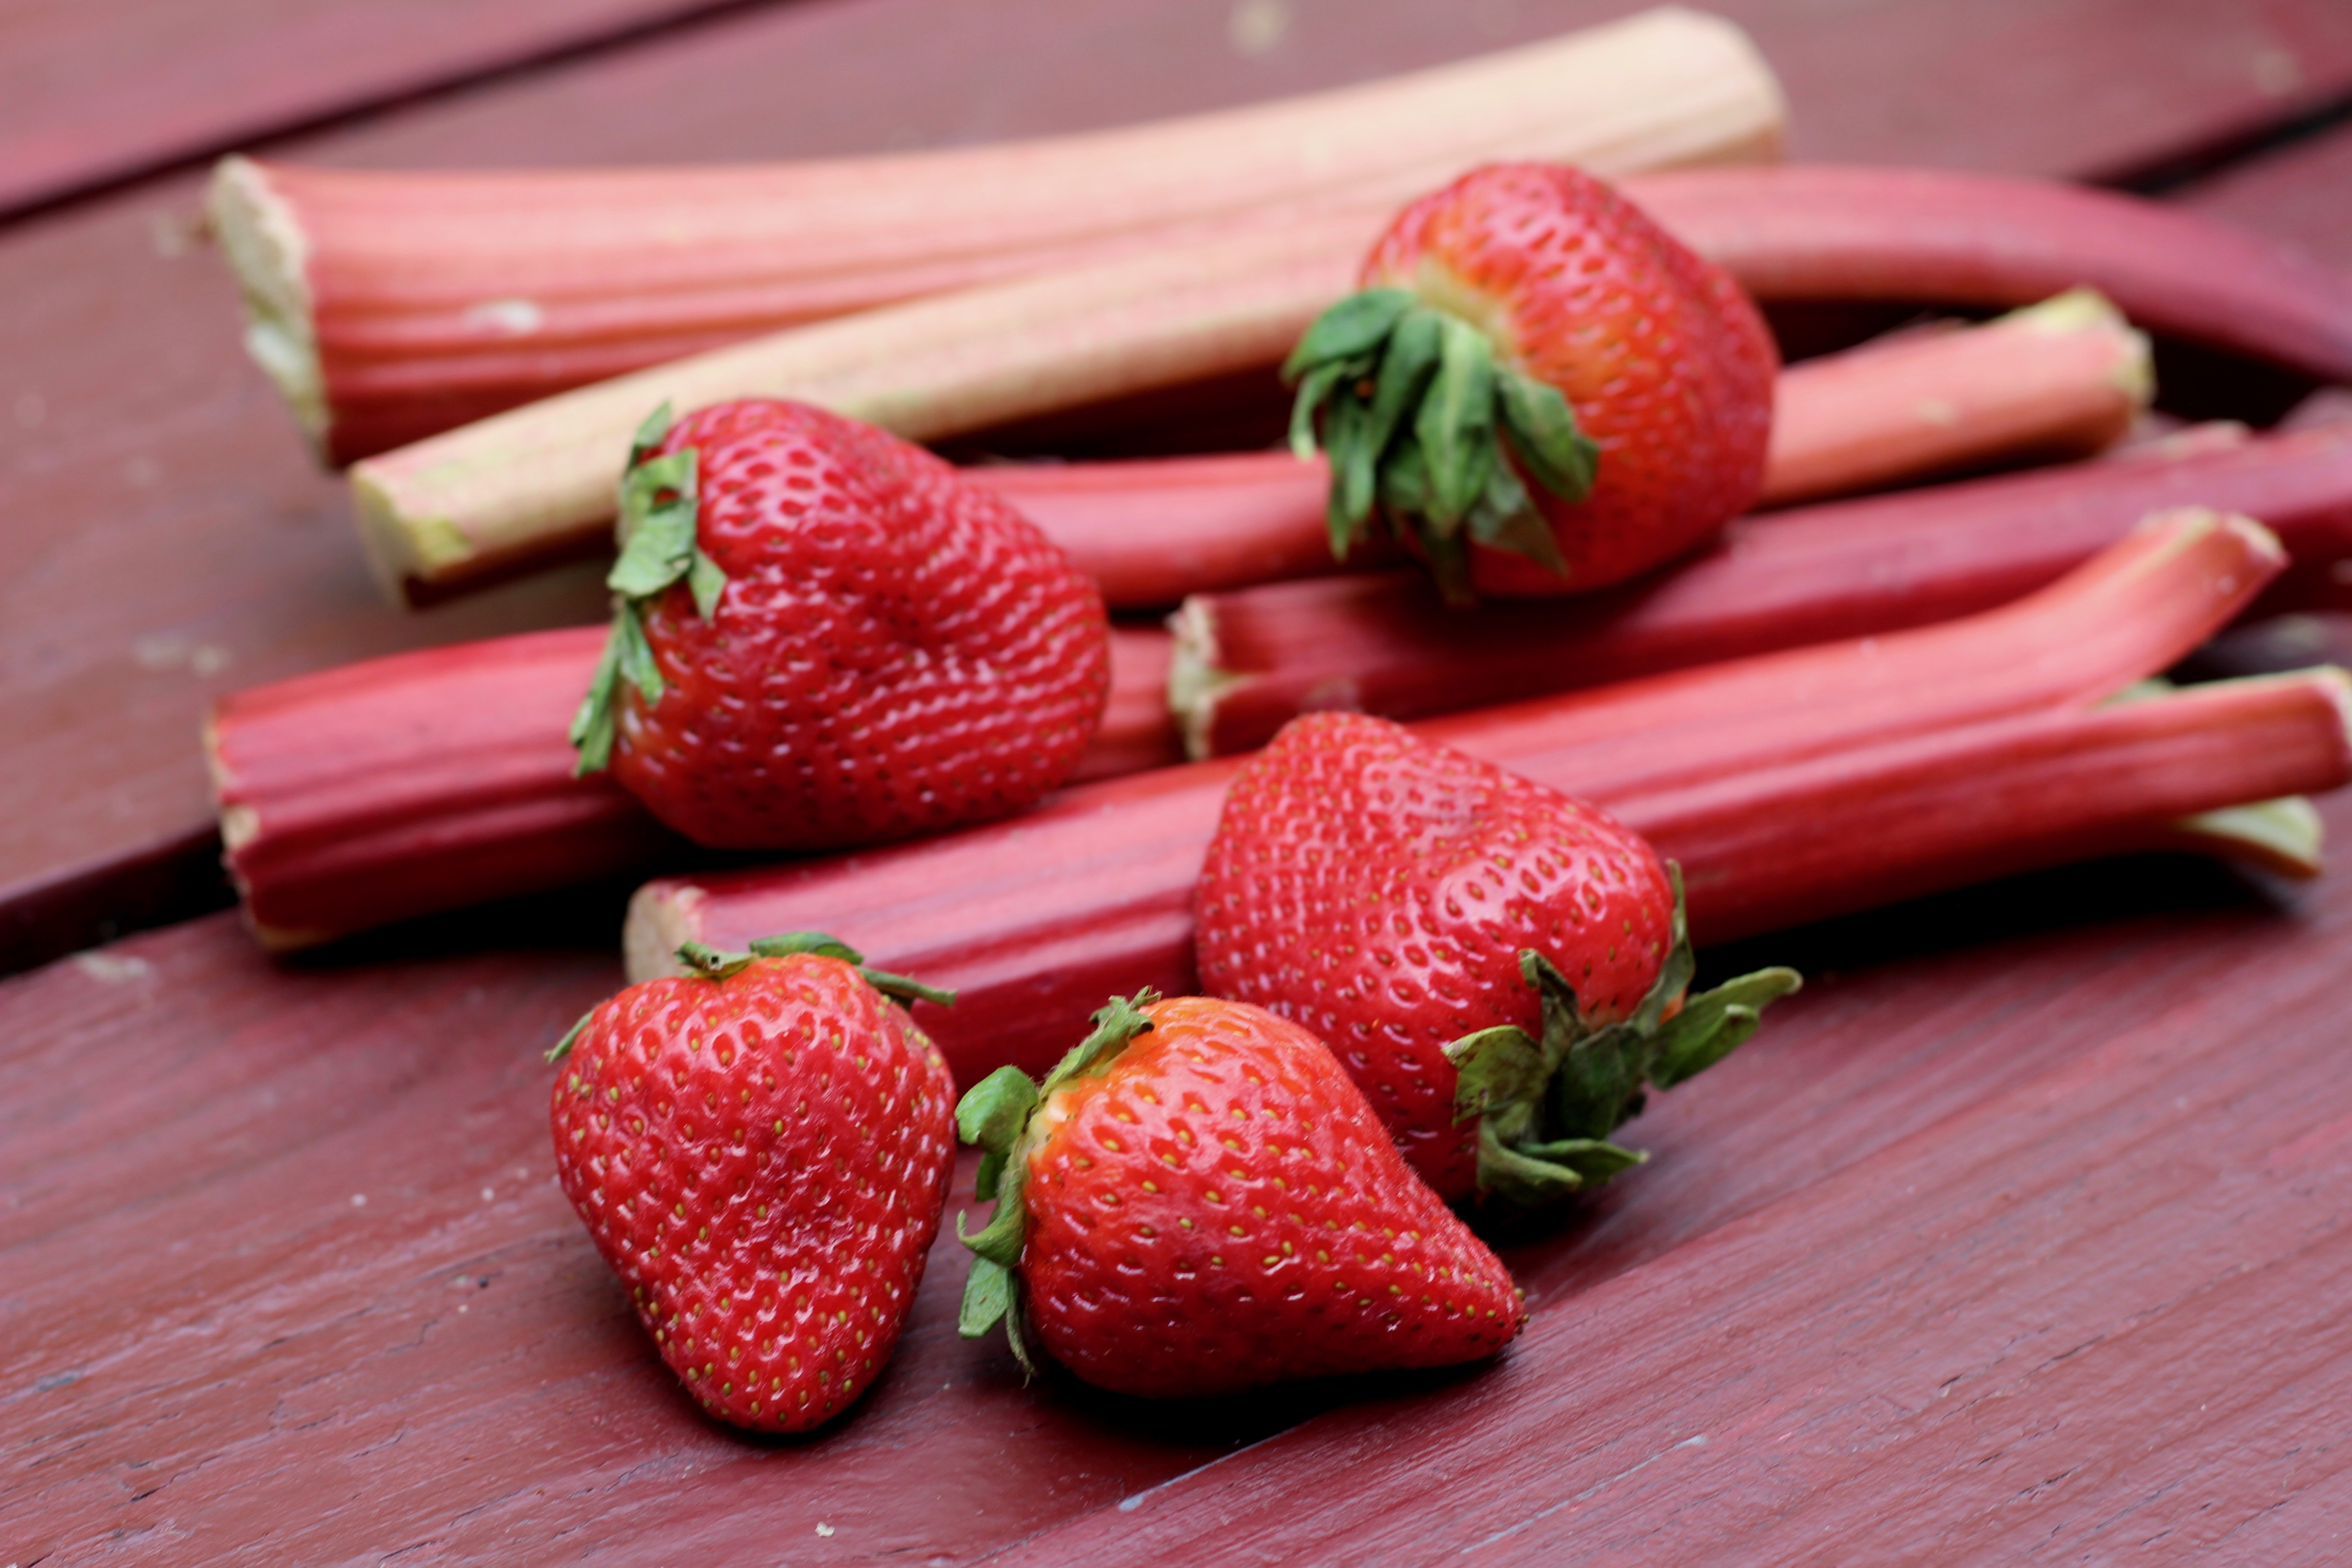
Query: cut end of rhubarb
{"x": 662, "y": 917}
{"x": 266, "y": 247}
{"x": 1195, "y": 683}
{"x": 2285, "y": 837}
{"x": 404, "y": 551}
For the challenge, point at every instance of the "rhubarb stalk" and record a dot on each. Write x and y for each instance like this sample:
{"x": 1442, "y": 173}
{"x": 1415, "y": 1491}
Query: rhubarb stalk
{"x": 2059, "y": 379}
{"x": 390, "y": 306}
{"x": 433, "y": 780}
{"x": 1249, "y": 660}
{"x": 1033, "y": 926}
{"x": 429, "y": 781}
{"x": 516, "y": 489}
{"x": 1935, "y": 236}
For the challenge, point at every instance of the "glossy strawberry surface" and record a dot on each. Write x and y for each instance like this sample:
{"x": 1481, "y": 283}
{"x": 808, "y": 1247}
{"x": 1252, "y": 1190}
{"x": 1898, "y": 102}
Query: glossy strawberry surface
{"x": 894, "y": 651}
{"x": 1220, "y": 1209}
{"x": 1667, "y": 364}
{"x": 764, "y": 1161}
{"x": 1379, "y": 890}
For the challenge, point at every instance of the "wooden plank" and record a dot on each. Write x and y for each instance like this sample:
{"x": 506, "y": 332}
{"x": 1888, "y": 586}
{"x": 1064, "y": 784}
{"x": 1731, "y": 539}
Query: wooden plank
{"x": 2295, "y": 192}
{"x": 212, "y": 1349}
{"x": 173, "y": 543}
{"x": 2094, "y": 1314}
{"x": 91, "y": 93}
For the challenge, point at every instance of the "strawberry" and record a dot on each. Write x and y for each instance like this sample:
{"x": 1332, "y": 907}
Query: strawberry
{"x": 1198, "y": 1201}
{"x": 1541, "y": 389}
{"x": 1500, "y": 967}
{"x": 825, "y": 638}
{"x": 760, "y": 1150}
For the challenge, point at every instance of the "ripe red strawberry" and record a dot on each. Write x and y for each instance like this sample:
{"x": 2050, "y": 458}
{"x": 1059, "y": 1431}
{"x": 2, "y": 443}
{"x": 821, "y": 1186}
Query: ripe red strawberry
{"x": 760, "y": 1150}
{"x": 1199, "y": 1202}
{"x": 1542, "y": 390}
{"x": 1500, "y": 967}
{"x": 826, "y": 638}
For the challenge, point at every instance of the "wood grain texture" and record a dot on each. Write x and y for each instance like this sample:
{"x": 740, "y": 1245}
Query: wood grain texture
{"x": 173, "y": 543}
{"x": 2091, "y": 1311}
{"x": 2296, "y": 193}
{"x": 211, "y": 1350}
{"x": 91, "y": 93}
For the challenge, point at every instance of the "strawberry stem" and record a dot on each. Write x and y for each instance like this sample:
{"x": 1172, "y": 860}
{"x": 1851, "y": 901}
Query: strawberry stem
{"x": 1547, "y": 1107}
{"x": 658, "y": 548}
{"x": 1422, "y": 423}
{"x": 999, "y": 1115}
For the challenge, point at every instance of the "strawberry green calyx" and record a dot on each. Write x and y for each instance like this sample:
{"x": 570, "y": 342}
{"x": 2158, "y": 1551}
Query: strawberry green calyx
{"x": 1548, "y": 1105}
{"x": 658, "y": 512}
{"x": 709, "y": 963}
{"x": 1421, "y": 421}
{"x": 999, "y": 1115}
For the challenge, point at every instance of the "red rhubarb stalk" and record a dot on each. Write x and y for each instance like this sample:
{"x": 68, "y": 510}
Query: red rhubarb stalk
{"x": 430, "y": 781}
{"x": 2062, "y": 378}
{"x": 1096, "y": 891}
{"x": 1249, "y": 660}
{"x": 1925, "y": 813}
{"x": 393, "y": 305}
{"x": 1934, "y": 236}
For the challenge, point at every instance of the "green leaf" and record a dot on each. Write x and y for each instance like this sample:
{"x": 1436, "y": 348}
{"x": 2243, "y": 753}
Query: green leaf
{"x": 992, "y": 1171}
{"x": 1599, "y": 1085}
{"x": 816, "y": 941}
{"x": 1343, "y": 438}
{"x": 1495, "y": 1068}
{"x": 1456, "y": 422}
{"x": 1404, "y": 480}
{"x": 989, "y": 1294}
{"x": 1714, "y": 1023}
{"x": 1503, "y": 519}
{"x": 1352, "y": 328}
{"x": 706, "y": 582}
{"x": 1545, "y": 437}
{"x": 995, "y": 1112}
{"x": 657, "y": 518}
{"x": 1115, "y": 1023}
{"x": 1404, "y": 370}
{"x": 1303, "y": 408}
{"x": 1594, "y": 1160}
{"x": 1506, "y": 1173}
{"x": 900, "y": 989}
{"x": 637, "y": 655}
{"x": 710, "y": 962}
{"x": 563, "y": 1048}
{"x": 649, "y": 435}
{"x": 1000, "y": 1241}
{"x": 592, "y": 724}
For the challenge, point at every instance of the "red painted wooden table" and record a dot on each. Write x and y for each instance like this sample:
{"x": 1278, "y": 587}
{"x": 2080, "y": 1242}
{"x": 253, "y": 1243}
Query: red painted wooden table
{"x": 2021, "y": 1234}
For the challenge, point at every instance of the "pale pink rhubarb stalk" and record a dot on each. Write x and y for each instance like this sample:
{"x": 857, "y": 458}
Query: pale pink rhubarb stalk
{"x": 531, "y": 483}
{"x": 1249, "y": 660}
{"x": 390, "y": 306}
